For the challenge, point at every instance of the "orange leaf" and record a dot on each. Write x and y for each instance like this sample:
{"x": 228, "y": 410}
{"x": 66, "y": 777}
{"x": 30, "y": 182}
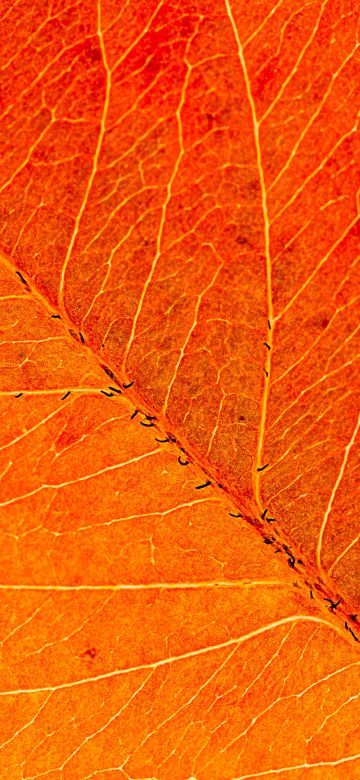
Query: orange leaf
{"x": 179, "y": 391}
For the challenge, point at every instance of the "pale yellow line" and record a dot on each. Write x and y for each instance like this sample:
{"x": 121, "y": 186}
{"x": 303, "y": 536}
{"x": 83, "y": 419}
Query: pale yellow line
{"x": 182, "y": 351}
{"x": 27, "y": 159}
{"x": 77, "y": 480}
{"x": 317, "y": 268}
{"x": 152, "y": 586}
{"x": 163, "y": 216}
{"x": 183, "y": 657}
{"x": 269, "y": 335}
{"x": 343, "y": 554}
{"x": 263, "y": 23}
{"x": 96, "y": 159}
{"x": 296, "y": 767}
{"x": 29, "y": 431}
{"x": 315, "y": 171}
{"x": 314, "y": 116}
{"x": 332, "y": 497}
{"x": 297, "y": 64}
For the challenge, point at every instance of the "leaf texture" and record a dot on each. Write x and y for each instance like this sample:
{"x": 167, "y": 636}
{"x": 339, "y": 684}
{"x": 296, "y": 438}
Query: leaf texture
{"x": 179, "y": 199}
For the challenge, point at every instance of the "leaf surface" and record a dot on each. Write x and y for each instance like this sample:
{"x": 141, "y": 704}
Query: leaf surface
{"x": 179, "y": 192}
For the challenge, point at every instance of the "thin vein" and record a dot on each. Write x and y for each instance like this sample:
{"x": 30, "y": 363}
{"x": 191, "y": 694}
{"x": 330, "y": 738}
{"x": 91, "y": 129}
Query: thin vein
{"x": 96, "y": 158}
{"x": 181, "y": 657}
{"x": 188, "y": 338}
{"x": 76, "y": 481}
{"x": 333, "y": 494}
{"x": 163, "y": 211}
{"x": 265, "y": 396}
{"x": 295, "y": 68}
{"x": 311, "y": 121}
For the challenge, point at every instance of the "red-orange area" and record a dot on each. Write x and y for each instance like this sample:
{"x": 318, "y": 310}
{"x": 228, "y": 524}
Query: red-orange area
{"x": 179, "y": 392}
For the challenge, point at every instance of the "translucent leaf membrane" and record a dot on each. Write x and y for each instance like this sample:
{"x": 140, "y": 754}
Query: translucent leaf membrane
{"x": 179, "y": 391}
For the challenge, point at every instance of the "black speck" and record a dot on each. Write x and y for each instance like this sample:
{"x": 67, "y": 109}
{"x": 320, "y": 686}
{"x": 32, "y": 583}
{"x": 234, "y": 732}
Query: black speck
{"x": 206, "y": 484}
{"x": 261, "y": 468}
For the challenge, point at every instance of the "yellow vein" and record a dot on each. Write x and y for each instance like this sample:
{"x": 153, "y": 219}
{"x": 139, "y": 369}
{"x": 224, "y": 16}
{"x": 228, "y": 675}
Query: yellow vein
{"x": 333, "y": 494}
{"x": 80, "y": 479}
{"x": 96, "y": 157}
{"x": 182, "y": 657}
{"x": 267, "y": 252}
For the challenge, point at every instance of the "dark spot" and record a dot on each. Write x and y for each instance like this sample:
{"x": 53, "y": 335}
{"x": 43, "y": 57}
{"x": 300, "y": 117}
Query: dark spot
{"x": 241, "y": 240}
{"x": 253, "y": 187}
{"x": 210, "y": 121}
{"x": 265, "y": 76}
{"x": 241, "y": 418}
{"x": 94, "y": 55}
{"x": 74, "y": 334}
{"x": 254, "y": 521}
{"x": 109, "y": 372}
{"x": 91, "y": 652}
